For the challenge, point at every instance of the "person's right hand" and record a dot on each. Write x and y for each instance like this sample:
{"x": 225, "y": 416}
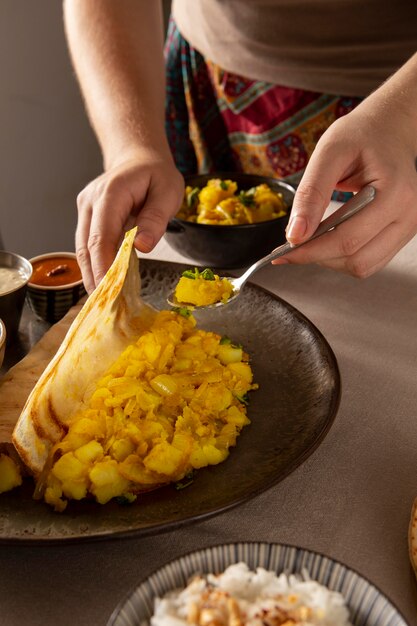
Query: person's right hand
{"x": 144, "y": 190}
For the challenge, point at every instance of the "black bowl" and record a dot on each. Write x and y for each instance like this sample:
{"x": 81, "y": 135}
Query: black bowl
{"x": 230, "y": 246}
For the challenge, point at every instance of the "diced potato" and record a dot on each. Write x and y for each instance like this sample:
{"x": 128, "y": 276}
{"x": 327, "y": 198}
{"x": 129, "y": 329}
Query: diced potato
{"x": 151, "y": 348}
{"x": 86, "y": 427}
{"x": 183, "y": 441}
{"x": 108, "y": 492}
{"x": 53, "y": 494}
{"x": 134, "y": 470}
{"x": 76, "y": 490}
{"x": 230, "y": 354}
{"x": 198, "y": 457}
{"x": 215, "y": 191}
{"x": 188, "y": 351}
{"x": 89, "y": 452}
{"x": 235, "y": 416}
{"x": 121, "y": 449}
{"x": 215, "y": 397}
{"x": 104, "y": 472}
{"x": 202, "y": 292}
{"x": 107, "y": 482}
{"x": 181, "y": 365}
{"x": 207, "y": 454}
{"x": 10, "y": 476}
{"x": 164, "y": 459}
{"x": 148, "y": 400}
{"x": 68, "y": 467}
{"x": 213, "y": 455}
{"x": 243, "y": 370}
{"x": 151, "y": 429}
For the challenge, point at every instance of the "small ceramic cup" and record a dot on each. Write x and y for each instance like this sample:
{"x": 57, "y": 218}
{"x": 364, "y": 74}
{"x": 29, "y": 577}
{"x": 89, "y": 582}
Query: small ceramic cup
{"x": 12, "y": 298}
{"x": 2, "y": 341}
{"x": 51, "y": 302}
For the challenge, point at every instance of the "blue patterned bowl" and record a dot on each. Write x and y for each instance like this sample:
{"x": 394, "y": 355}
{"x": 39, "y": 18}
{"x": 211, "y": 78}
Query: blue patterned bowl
{"x": 367, "y": 605}
{"x": 52, "y": 302}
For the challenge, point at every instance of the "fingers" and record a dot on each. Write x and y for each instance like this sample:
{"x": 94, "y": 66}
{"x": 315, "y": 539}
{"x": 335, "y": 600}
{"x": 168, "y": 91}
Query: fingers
{"x": 375, "y": 255}
{"x": 81, "y": 243}
{"x": 327, "y": 165}
{"x": 146, "y": 195}
{"x": 102, "y": 211}
{"x": 357, "y": 246}
{"x": 109, "y": 216}
{"x": 162, "y": 202}
{"x": 342, "y": 241}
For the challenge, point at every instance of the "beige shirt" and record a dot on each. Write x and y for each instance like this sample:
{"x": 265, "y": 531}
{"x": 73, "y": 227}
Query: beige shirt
{"x": 344, "y": 47}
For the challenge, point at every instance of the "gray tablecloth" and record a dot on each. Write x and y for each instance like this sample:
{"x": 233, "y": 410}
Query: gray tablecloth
{"x": 350, "y": 500}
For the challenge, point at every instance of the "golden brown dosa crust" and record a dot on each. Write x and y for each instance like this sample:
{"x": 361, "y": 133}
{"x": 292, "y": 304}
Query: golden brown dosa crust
{"x": 18, "y": 382}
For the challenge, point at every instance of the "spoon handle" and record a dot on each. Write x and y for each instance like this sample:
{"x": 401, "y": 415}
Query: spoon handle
{"x": 352, "y": 206}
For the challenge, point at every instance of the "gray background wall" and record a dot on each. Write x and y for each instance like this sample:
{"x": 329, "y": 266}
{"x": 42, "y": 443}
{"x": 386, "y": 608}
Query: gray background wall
{"x": 47, "y": 149}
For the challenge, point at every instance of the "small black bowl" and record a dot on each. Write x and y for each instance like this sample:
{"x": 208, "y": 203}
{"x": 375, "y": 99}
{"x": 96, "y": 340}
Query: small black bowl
{"x": 230, "y": 246}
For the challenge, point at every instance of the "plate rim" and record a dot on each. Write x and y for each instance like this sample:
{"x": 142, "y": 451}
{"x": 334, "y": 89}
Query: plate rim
{"x": 160, "y": 528}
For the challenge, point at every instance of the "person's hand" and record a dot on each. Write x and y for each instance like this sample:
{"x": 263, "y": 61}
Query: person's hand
{"x": 144, "y": 190}
{"x": 374, "y": 144}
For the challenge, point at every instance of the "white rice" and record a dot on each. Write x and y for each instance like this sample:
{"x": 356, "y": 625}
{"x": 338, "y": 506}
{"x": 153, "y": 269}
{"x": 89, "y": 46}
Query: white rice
{"x": 250, "y": 598}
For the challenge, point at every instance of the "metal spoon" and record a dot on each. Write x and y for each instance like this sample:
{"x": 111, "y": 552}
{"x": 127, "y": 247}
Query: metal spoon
{"x": 352, "y": 206}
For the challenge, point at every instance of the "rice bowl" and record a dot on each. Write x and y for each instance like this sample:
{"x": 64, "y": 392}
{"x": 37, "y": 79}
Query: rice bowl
{"x": 367, "y": 605}
{"x": 240, "y": 597}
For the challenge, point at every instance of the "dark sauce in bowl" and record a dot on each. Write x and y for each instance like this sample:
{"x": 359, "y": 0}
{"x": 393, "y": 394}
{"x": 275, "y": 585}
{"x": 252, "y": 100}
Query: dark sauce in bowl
{"x": 55, "y": 271}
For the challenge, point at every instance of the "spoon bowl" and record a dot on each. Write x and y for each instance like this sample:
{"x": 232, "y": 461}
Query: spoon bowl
{"x": 347, "y": 210}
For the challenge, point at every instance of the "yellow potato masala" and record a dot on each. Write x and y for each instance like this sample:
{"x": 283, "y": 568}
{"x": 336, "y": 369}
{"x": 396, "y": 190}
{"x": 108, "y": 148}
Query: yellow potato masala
{"x": 173, "y": 402}
{"x": 221, "y": 203}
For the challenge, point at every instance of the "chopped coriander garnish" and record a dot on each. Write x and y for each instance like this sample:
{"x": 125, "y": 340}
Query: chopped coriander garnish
{"x": 192, "y": 197}
{"x": 227, "y": 341}
{"x": 244, "y": 398}
{"x": 207, "y": 274}
{"x": 182, "y": 310}
{"x": 224, "y": 185}
{"x": 185, "y": 482}
{"x": 189, "y": 274}
{"x": 126, "y": 498}
{"x": 246, "y": 199}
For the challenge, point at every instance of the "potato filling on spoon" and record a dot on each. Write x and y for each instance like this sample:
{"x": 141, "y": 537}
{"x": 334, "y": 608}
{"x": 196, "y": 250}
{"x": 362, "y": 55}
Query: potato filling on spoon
{"x": 202, "y": 288}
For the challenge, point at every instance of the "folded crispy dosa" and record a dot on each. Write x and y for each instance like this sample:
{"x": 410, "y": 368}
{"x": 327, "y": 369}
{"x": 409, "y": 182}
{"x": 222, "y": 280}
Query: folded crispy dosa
{"x": 113, "y": 316}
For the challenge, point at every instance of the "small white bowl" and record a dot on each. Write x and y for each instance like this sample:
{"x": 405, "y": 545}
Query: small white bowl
{"x": 52, "y": 302}
{"x": 12, "y": 300}
{"x": 2, "y": 341}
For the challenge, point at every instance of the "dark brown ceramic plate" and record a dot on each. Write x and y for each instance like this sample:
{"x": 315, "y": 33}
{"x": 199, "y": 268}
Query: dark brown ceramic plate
{"x": 297, "y": 400}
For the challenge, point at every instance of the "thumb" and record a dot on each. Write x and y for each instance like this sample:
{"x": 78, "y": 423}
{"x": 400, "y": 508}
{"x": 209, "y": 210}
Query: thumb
{"x": 324, "y": 170}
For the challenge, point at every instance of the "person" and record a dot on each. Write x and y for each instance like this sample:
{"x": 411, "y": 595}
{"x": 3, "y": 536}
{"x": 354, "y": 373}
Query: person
{"x": 312, "y": 52}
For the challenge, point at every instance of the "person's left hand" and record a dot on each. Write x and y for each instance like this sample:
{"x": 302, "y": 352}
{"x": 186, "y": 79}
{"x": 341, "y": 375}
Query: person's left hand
{"x": 373, "y": 144}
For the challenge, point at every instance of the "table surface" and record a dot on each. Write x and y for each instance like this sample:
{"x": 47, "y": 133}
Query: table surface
{"x": 350, "y": 500}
